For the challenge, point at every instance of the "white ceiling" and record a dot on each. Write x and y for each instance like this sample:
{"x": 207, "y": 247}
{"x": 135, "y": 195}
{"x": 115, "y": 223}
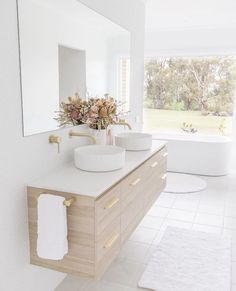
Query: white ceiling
{"x": 187, "y": 14}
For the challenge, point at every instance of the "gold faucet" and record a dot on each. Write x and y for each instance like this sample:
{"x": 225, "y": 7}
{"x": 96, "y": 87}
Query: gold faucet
{"x": 122, "y": 122}
{"x": 83, "y": 134}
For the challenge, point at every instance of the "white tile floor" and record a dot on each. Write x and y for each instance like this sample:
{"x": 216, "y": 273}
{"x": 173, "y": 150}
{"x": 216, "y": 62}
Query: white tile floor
{"x": 213, "y": 211}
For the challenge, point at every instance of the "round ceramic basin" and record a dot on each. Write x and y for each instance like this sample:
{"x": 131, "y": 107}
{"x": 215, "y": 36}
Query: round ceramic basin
{"x": 99, "y": 158}
{"x": 134, "y": 141}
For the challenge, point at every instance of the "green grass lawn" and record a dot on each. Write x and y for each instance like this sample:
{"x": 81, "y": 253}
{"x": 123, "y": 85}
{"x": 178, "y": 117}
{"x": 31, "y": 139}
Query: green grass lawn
{"x": 171, "y": 121}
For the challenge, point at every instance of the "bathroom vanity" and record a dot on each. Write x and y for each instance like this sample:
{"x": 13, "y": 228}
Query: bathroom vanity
{"x": 107, "y": 209}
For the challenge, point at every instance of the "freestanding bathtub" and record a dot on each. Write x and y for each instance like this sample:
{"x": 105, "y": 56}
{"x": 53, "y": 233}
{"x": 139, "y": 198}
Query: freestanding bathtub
{"x": 198, "y": 154}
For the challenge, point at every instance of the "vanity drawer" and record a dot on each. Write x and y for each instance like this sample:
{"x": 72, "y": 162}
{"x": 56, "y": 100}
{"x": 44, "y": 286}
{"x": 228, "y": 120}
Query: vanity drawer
{"x": 108, "y": 239}
{"x": 154, "y": 187}
{"x": 107, "y": 256}
{"x": 107, "y": 208}
{"x": 131, "y": 211}
{"x": 131, "y": 227}
{"x": 155, "y": 162}
{"x": 131, "y": 186}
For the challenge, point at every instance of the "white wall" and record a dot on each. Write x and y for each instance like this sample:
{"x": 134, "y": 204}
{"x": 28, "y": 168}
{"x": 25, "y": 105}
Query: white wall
{"x": 195, "y": 41}
{"x": 24, "y": 157}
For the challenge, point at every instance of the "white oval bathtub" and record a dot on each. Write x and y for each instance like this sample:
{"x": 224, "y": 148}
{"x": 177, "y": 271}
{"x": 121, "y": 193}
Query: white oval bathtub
{"x": 198, "y": 154}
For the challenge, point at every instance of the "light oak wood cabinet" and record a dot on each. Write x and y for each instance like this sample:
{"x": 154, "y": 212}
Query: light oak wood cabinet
{"x": 97, "y": 227}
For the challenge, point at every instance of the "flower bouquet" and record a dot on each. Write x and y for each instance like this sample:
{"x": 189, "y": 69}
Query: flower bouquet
{"x": 97, "y": 113}
{"x": 74, "y": 111}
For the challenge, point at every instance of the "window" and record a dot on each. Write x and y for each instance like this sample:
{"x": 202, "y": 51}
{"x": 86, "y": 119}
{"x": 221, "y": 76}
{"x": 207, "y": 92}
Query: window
{"x": 189, "y": 94}
{"x": 124, "y": 82}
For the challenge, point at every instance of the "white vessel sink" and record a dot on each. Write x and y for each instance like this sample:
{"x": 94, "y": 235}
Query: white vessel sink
{"x": 99, "y": 158}
{"x": 134, "y": 141}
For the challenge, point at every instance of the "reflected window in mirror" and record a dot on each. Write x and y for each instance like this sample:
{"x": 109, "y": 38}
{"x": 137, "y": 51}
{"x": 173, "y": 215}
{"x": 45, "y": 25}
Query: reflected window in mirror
{"x": 124, "y": 82}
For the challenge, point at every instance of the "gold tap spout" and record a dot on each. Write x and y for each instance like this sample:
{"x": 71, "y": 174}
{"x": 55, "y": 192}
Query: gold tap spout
{"x": 123, "y": 123}
{"x": 83, "y": 134}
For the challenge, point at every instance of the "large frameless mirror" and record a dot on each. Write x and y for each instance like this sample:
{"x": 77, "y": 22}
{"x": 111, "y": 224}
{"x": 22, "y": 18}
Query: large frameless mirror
{"x": 67, "y": 48}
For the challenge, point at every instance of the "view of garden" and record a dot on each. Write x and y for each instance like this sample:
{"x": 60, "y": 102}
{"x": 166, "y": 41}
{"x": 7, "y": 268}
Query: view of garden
{"x": 190, "y": 94}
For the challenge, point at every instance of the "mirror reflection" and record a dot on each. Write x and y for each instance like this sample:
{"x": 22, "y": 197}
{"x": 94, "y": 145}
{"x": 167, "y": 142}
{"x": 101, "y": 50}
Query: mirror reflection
{"x": 67, "y": 48}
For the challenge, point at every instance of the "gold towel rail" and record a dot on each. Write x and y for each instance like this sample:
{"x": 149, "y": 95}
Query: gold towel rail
{"x": 68, "y": 202}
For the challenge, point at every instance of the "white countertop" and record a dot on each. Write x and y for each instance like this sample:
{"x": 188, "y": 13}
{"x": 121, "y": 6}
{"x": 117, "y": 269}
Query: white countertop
{"x": 72, "y": 180}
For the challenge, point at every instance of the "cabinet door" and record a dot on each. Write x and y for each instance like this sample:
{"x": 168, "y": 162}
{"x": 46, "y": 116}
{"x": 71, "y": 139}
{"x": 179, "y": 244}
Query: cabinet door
{"x": 107, "y": 230}
{"x": 156, "y": 162}
{"x": 156, "y": 179}
{"x": 131, "y": 197}
{"x": 108, "y": 240}
{"x": 154, "y": 185}
{"x": 131, "y": 186}
{"x": 107, "y": 208}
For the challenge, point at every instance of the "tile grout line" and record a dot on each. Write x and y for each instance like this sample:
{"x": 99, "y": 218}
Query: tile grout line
{"x": 196, "y": 212}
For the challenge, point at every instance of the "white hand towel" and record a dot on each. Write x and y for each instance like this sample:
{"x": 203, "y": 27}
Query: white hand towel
{"x": 52, "y": 240}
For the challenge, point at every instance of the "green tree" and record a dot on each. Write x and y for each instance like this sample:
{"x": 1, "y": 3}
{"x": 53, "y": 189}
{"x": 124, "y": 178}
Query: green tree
{"x": 205, "y": 84}
{"x": 157, "y": 82}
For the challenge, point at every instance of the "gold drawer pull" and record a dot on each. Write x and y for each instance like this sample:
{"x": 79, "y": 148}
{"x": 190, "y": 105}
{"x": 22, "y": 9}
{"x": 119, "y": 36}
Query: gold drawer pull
{"x": 111, "y": 203}
{"x": 164, "y": 177}
{"x": 111, "y": 241}
{"x": 135, "y": 182}
{"x": 165, "y": 155}
{"x": 154, "y": 164}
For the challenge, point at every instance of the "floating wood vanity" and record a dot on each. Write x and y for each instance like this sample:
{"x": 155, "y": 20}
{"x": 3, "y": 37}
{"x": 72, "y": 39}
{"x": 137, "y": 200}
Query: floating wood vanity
{"x": 107, "y": 209}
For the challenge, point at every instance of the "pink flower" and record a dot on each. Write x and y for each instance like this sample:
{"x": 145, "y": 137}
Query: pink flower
{"x": 75, "y": 115}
